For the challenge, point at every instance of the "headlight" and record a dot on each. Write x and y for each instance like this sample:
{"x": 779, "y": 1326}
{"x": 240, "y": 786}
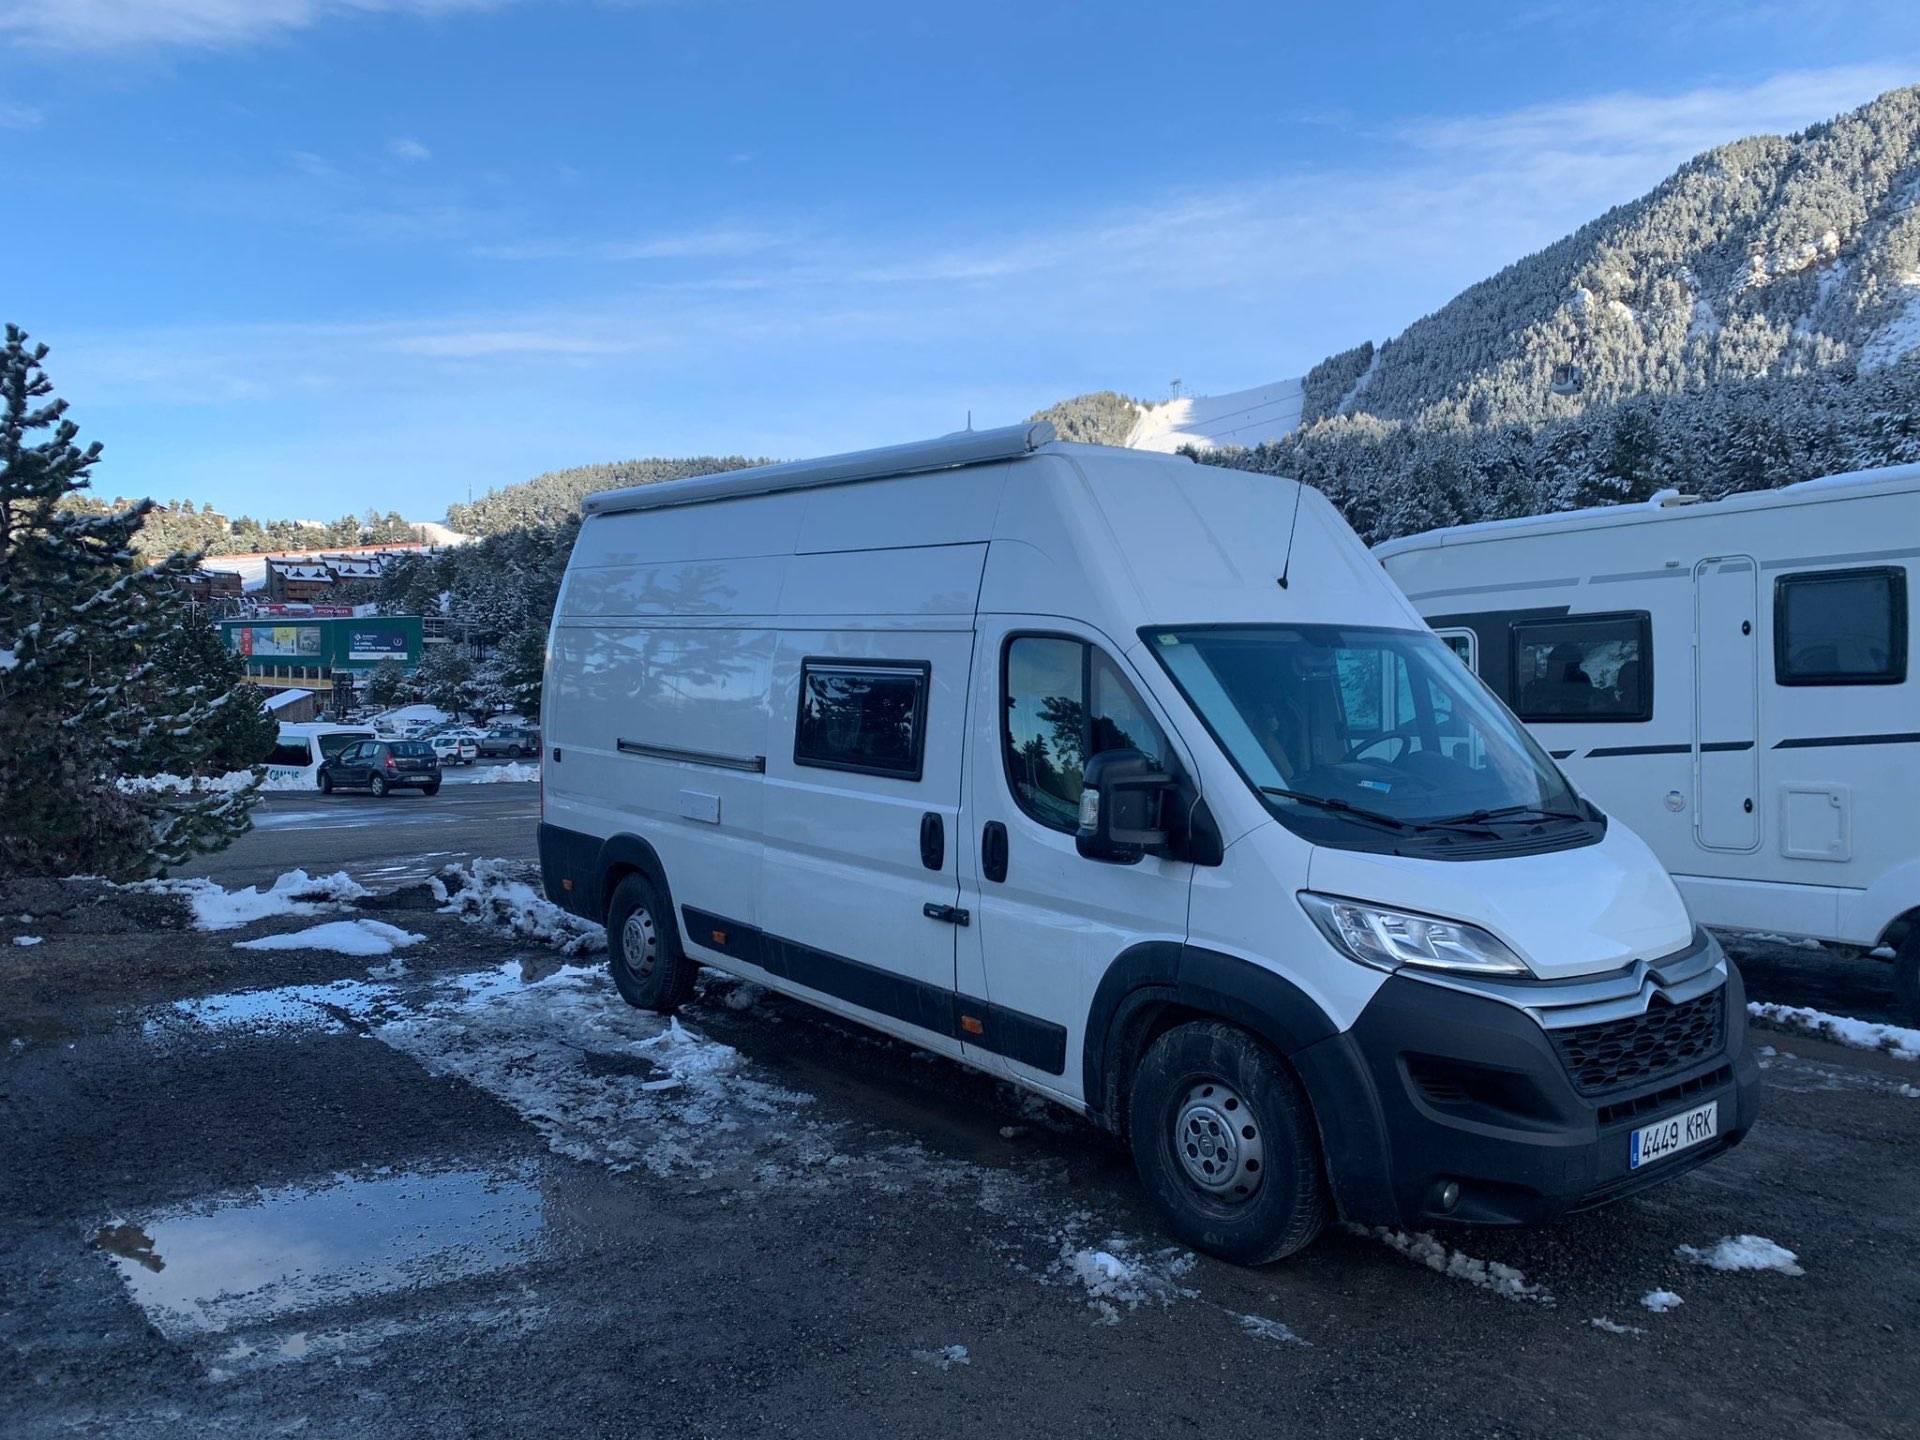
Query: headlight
{"x": 1387, "y": 939}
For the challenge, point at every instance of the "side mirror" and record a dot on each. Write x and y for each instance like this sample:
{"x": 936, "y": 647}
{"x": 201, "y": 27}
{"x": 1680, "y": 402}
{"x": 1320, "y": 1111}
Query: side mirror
{"x": 1120, "y": 804}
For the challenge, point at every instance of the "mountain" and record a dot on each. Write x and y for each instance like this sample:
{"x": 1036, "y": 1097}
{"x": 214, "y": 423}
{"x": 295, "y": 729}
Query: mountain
{"x": 552, "y": 497}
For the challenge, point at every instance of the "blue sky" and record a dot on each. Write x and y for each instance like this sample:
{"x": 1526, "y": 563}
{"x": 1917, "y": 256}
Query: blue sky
{"x": 304, "y": 256}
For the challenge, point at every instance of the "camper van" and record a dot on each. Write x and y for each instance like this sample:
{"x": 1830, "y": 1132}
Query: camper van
{"x": 1136, "y": 783}
{"x": 300, "y": 749}
{"x": 1730, "y": 678}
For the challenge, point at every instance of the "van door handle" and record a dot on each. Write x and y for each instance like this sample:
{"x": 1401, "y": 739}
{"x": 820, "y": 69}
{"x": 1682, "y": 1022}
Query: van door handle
{"x": 950, "y": 914}
{"x": 993, "y": 851}
{"x": 933, "y": 841}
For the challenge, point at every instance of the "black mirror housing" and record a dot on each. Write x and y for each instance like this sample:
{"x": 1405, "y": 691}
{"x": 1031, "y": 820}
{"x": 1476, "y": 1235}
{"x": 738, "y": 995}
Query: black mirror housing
{"x": 1120, "y": 807}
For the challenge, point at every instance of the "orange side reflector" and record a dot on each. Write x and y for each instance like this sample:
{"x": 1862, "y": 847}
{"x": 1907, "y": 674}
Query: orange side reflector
{"x": 972, "y": 1026}
{"x": 719, "y": 937}
{"x": 566, "y": 884}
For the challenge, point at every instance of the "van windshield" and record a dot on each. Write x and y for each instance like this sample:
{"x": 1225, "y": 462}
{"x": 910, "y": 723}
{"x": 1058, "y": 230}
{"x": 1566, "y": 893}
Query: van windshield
{"x": 1381, "y": 738}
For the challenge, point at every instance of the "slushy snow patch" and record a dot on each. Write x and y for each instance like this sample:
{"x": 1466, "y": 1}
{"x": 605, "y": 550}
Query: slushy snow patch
{"x": 294, "y": 893}
{"x": 1661, "y": 1301}
{"x": 1487, "y": 1274}
{"x": 1614, "y": 1327}
{"x": 945, "y": 1358}
{"x": 488, "y": 893}
{"x": 1118, "y": 1275}
{"x": 1895, "y": 1040}
{"x": 1261, "y": 1328}
{"x": 1744, "y": 1252}
{"x": 25, "y": 940}
{"x": 348, "y": 937}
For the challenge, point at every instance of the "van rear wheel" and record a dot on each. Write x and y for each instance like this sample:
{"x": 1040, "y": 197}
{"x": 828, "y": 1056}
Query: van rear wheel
{"x": 1906, "y": 976}
{"x": 643, "y": 949}
{"x": 1224, "y": 1140}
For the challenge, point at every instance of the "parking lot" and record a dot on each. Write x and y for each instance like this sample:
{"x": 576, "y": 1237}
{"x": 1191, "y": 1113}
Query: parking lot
{"x": 457, "y": 1188}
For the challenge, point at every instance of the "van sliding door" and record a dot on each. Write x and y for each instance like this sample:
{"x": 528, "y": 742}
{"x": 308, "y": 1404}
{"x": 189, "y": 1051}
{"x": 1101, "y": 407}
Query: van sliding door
{"x": 1726, "y": 691}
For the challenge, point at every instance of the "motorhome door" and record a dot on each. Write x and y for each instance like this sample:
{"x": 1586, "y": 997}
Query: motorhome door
{"x": 1726, "y": 700}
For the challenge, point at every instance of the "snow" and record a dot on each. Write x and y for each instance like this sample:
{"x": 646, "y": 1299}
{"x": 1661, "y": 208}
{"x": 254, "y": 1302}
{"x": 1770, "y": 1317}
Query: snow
{"x": 512, "y": 773}
{"x": 294, "y": 893}
{"x": 8, "y": 659}
{"x": 280, "y": 699}
{"x": 1901, "y": 333}
{"x": 945, "y": 1358}
{"x": 1895, "y": 1040}
{"x": 1744, "y": 1252}
{"x": 166, "y": 782}
{"x": 348, "y": 937}
{"x": 26, "y": 940}
{"x": 1262, "y": 1328}
{"x": 1661, "y": 1301}
{"x": 1242, "y": 417}
{"x": 487, "y": 892}
{"x": 1487, "y": 1274}
{"x": 1614, "y": 1327}
{"x": 1119, "y": 1275}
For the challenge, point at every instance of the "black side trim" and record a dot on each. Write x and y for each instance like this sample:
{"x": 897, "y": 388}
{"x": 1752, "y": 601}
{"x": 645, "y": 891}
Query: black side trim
{"x": 1725, "y": 747}
{"x": 1561, "y": 754}
{"x": 1604, "y": 750}
{"x": 1812, "y": 742}
{"x": 1025, "y": 1038}
{"x": 569, "y": 870}
{"x": 755, "y": 764}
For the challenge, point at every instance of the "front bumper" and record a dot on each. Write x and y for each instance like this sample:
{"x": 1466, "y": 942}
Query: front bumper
{"x": 1434, "y": 1085}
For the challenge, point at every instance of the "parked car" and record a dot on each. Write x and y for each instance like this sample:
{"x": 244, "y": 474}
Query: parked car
{"x": 382, "y": 765}
{"x": 1731, "y": 676}
{"x": 454, "y": 748}
{"x": 1083, "y": 766}
{"x": 521, "y": 743}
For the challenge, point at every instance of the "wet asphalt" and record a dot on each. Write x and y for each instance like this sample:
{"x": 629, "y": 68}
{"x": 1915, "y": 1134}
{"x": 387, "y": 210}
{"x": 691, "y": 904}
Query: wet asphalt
{"x": 470, "y": 1193}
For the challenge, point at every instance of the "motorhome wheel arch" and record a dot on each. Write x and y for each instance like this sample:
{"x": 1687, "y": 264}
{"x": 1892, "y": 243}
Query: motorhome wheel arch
{"x": 1136, "y": 783}
{"x": 1731, "y": 678}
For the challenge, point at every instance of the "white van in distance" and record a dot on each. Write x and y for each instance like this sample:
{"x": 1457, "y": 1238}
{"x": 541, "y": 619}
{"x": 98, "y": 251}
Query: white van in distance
{"x": 1731, "y": 678}
{"x": 301, "y": 747}
{"x": 1136, "y": 783}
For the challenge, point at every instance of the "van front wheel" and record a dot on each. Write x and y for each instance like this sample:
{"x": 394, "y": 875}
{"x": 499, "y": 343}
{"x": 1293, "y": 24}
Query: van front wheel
{"x": 1224, "y": 1140}
{"x": 1906, "y": 976}
{"x": 643, "y": 949}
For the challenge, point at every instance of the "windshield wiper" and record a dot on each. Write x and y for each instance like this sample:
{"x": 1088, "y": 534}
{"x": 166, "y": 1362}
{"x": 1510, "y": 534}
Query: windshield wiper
{"x": 1507, "y": 812}
{"x": 1328, "y": 802}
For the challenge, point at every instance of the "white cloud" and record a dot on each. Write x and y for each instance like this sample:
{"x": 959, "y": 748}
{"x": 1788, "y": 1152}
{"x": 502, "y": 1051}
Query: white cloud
{"x": 205, "y": 24}
{"x": 402, "y": 147}
{"x": 19, "y": 117}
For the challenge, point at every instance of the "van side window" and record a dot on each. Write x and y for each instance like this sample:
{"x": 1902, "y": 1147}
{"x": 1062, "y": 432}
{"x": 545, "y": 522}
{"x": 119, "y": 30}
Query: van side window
{"x": 290, "y": 752}
{"x": 1066, "y": 701}
{"x": 1841, "y": 627}
{"x": 867, "y": 717}
{"x": 1584, "y": 669}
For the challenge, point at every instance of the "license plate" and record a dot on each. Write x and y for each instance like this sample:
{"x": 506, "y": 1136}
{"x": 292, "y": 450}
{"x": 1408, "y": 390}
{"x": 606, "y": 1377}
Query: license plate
{"x": 1651, "y": 1143}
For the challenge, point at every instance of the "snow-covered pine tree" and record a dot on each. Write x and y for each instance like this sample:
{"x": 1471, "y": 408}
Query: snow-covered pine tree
{"x": 80, "y": 624}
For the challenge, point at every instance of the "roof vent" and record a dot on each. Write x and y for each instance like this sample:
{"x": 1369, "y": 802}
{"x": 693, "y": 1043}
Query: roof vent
{"x": 1671, "y": 499}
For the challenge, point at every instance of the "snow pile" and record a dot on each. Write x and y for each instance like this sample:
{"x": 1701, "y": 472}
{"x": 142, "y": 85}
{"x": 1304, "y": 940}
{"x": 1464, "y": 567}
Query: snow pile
{"x": 287, "y": 1007}
{"x": 1661, "y": 1301}
{"x": 348, "y": 937}
{"x": 288, "y": 780}
{"x": 166, "y": 783}
{"x": 945, "y": 1358}
{"x": 1844, "y": 1029}
{"x": 513, "y": 772}
{"x": 1117, "y": 1275}
{"x": 294, "y": 893}
{"x": 1744, "y": 1252}
{"x": 1614, "y": 1327}
{"x": 26, "y": 940}
{"x": 1487, "y": 1274}
{"x": 486, "y": 892}
{"x": 1262, "y": 1328}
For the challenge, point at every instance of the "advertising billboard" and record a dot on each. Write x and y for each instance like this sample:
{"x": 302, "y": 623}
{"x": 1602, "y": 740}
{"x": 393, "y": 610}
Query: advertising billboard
{"x": 277, "y": 642}
{"x": 376, "y": 643}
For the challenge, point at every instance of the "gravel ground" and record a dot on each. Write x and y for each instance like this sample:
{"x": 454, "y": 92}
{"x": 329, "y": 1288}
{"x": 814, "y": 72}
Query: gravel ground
{"x": 462, "y": 1190}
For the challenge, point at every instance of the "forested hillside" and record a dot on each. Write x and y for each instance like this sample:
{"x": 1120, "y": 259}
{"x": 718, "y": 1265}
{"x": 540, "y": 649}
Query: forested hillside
{"x": 182, "y": 527}
{"x": 1103, "y": 417}
{"x": 557, "y": 494}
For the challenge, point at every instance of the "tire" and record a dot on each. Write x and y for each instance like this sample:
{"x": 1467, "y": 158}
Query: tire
{"x": 1906, "y": 976}
{"x": 378, "y": 784}
{"x": 1250, "y": 1197}
{"x": 433, "y": 789}
{"x": 643, "y": 949}
{"x": 326, "y": 783}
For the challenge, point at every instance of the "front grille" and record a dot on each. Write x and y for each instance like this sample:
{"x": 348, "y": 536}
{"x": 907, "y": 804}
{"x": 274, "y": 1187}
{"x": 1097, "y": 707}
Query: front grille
{"x": 1643, "y": 1047}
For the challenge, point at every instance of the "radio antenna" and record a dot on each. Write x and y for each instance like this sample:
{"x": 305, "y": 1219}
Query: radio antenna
{"x": 1293, "y": 525}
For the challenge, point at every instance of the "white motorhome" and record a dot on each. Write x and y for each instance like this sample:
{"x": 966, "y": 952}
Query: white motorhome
{"x": 1136, "y": 783}
{"x": 300, "y": 749}
{"x": 1729, "y": 678}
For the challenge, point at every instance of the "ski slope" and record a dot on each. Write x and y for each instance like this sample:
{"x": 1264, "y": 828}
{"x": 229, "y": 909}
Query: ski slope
{"x": 1241, "y": 417}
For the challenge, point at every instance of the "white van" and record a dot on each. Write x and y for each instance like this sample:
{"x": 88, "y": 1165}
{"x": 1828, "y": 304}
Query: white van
{"x": 1730, "y": 678}
{"x": 300, "y": 748}
{"x": 1136, "y": 783}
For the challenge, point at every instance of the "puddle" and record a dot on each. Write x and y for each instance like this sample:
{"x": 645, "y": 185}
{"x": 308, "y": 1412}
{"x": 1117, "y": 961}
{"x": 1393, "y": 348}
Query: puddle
{"x": 254, "y": 1257}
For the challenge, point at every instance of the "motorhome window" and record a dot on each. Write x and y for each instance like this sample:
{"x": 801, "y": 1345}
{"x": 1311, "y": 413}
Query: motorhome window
{"x": 1363, "y": 719}
{"x": 1583, "y": 669}
{"x": 867, "y": 718}
{"x": 1841, "y": 627}
{"x": 291, "y": 753}
{"x": 1066, "y": 701}
{"x": 1462, "y": 643}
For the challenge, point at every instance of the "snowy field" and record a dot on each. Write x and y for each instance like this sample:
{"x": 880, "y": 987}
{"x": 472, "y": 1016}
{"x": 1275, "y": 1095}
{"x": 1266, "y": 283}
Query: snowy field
{"x": 437, "y": 1178}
